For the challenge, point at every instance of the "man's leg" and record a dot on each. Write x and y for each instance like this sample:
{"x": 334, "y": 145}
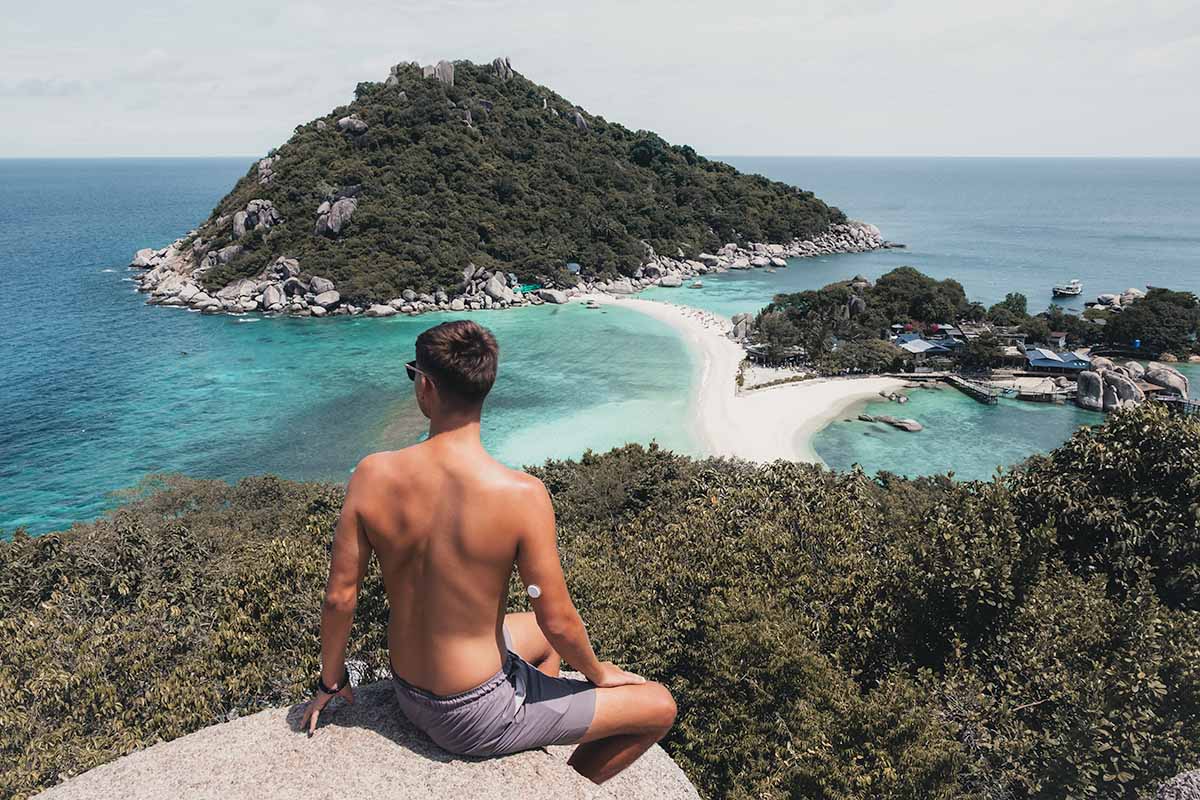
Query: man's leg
{"x": 530, "y": 643}
{"x": 627, "y": 723}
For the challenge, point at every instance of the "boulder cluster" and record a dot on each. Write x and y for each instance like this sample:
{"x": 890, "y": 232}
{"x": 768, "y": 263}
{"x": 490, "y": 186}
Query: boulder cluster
{"x": 266, "y": 170}
{"x": 257, "y": 214}
{"x": 172, "y": 274}
{"x": 334, "y": 213}
{"x": 1119, "y": 301}
{"x": 1108, "y": 386}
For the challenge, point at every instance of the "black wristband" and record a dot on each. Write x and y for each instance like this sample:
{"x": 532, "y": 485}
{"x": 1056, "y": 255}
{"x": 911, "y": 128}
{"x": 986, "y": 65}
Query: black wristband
{"x": 337, "y": 687}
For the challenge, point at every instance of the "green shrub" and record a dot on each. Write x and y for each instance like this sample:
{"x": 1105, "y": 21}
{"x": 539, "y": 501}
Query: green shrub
{"x": 826, "y": 635}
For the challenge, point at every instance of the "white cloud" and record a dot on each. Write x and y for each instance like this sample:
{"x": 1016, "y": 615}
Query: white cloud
{"x": 869, "y": 77}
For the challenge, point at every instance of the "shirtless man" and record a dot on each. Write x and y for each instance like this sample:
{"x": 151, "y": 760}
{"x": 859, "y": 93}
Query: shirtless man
{"x": 448, "y": 523}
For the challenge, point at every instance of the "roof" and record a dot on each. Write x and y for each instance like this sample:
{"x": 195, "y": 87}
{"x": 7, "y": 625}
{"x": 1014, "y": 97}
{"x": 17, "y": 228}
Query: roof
{"x": 1042, "y": 357}
{"x": 921, "y": 346}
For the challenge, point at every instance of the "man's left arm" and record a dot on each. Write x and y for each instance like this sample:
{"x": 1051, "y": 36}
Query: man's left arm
{"x": 347, "y": 565}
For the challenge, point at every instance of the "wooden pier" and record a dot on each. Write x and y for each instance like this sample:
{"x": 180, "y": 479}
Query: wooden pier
{"x": 1180, "y": 405}
{"x": 976, "y": 391}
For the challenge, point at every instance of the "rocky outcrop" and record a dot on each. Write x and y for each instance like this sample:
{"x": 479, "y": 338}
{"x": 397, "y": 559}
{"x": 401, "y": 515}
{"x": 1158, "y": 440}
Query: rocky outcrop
{"x": 442, "y": 71}
{"x": 266, "y": 170}
{"x": 362, "y": 750}
{"x": 332, "y": 217}
{"x": 352, "y": 125}
{"x": 1184, "y": 786}
{"x": 172, "y": 274}
{"x": 1107, "y": 389}
{"x": 1089, "y": 391}
{"x": 1120, "y": 390}
{"x": 580, "y": 122}
{"x": 1167, "y": 377}
{"x": 503, "y": 68}
{"x": 555, "y": 296}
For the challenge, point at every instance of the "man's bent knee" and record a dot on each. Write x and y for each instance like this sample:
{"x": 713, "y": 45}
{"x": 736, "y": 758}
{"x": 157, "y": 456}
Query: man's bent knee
{"x": 661, "y": 706}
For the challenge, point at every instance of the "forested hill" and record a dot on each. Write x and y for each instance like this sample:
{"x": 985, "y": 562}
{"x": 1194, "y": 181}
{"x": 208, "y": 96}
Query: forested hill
{"x": 438, "y": 167}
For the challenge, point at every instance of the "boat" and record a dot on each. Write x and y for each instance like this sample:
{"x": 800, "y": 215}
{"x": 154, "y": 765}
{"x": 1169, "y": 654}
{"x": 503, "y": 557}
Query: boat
{"x": 697, "y": 285}
{"x": 591, "y": 304}
{"x": 1071, "y": 288}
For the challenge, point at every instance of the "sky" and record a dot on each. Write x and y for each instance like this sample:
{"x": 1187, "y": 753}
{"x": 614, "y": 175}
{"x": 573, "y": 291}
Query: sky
{"x": 843, "y": 77}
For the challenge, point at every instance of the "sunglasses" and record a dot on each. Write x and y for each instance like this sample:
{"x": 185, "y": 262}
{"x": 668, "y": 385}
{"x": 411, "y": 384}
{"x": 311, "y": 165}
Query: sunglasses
{"x": 412, "y": 369}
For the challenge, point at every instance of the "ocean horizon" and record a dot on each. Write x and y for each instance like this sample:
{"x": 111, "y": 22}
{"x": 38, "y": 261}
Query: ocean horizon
{"x": 102, "y": 390}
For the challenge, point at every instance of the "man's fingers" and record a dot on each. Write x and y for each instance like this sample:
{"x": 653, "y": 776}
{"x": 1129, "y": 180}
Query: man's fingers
{"x": 312, "y": 720}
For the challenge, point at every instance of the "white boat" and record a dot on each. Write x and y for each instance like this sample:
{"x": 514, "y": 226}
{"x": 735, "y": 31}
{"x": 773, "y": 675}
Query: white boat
{"x": 1071, "y": 288}
{"x": 697, "y": 285}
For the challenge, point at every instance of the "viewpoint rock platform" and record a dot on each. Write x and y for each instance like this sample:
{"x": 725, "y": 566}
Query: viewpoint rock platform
{"x": 364, "y": 750}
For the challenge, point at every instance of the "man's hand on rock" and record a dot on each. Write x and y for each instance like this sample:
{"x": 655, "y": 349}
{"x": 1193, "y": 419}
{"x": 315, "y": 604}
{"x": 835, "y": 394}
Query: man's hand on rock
{"x": 319, "y": 701}
{"x": 610, "y": 675}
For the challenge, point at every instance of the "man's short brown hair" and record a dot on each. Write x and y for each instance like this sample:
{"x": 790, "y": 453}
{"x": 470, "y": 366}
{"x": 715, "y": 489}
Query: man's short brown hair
{"x": 461, "y": 357}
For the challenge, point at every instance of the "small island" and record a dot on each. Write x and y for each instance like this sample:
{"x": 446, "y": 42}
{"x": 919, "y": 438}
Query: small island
{"x": 461, "y": 186}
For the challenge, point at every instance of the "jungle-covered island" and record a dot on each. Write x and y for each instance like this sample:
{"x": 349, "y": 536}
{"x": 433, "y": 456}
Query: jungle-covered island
{"x": 458, "y": 186}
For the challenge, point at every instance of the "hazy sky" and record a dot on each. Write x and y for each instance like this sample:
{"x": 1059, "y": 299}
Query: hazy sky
{"x": 845, "y": 77}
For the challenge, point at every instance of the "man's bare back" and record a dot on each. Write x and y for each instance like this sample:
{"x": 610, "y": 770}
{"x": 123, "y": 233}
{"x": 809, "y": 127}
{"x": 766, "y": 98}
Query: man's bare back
{"x": 447, "y": 523}
{"x": 445, "y": 519}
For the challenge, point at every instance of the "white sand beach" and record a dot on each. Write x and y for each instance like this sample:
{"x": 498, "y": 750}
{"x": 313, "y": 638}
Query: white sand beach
{"x": 762, "y": 424}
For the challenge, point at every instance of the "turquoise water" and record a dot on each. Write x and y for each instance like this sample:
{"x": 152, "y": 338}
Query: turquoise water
{"x": 100, "y": 390}
{"x": 961, "y": 436}
{"x": 997, "y": 225}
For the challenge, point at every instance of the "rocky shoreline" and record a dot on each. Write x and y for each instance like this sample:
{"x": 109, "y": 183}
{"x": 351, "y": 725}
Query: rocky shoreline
{"x": 172, "y": 275}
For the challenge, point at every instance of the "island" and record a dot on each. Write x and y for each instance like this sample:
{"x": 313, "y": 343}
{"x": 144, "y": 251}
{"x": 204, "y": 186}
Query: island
{"x": 460, "y": 186}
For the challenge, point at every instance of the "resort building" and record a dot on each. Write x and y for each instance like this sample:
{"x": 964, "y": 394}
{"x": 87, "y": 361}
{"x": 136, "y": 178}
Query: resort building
{"x": 1058, "y": 340}
{"x": 923, "y": 351}
{"x": 1041, "y": 359}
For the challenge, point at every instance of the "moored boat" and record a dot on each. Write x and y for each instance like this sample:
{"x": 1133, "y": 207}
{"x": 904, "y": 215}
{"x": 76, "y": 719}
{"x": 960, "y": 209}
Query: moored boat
{"x": 1071, "y": 288}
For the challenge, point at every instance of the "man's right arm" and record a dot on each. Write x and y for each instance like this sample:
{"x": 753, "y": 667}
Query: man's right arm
{"x": 538, "y": 564}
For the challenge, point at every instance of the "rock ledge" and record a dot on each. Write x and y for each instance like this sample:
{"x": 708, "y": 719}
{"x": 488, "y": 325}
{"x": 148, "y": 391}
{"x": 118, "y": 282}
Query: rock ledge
{"x": 364, "y": 750}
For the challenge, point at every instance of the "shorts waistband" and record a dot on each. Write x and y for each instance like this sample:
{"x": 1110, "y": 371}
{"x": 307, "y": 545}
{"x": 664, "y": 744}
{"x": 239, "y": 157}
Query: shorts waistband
{"x": 432, "y": 700}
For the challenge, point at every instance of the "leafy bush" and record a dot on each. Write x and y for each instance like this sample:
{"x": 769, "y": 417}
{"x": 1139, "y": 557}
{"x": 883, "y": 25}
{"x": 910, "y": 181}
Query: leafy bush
{"x": 825, "y": 634}
{"x": 521, "y": 188}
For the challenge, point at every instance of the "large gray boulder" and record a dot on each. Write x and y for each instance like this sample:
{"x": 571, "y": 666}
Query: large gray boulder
{"x": 1120, "y": 391}
{"x": 1184, "y": 786}
{"x": 442, "y": 71}
{"x": 1090, "y": 391}
{"x": 271, "y": 296}
{"x": 497, "y": 289}
{"x": 365, "y": 750}
{"x": 1134, "y": 370}
{"x": 556, "y": 296}
{"x": 333, "y": 220}
{"x": 1166, "y": 377}
{"x": 380, "y": 310}
{"x": 327, "y": 299}
{"x": 622, "y": 286}
{"x": 670, "y": 280}
{"x": 502, "y": 68}
{"x": 352, "y": 125}
{"x": 320, "y": 285}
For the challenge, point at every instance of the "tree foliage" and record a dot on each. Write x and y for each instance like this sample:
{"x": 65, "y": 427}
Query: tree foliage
{"x": 1164, "y": 321}
{"x": 522, "y": 188}
{"x": 826, "y": 634}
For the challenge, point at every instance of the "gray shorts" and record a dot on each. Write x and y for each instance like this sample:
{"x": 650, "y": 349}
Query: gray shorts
{"x": 516, "y": 709}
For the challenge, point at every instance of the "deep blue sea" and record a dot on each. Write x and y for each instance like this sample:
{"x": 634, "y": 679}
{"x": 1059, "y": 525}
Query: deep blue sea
{"x": 99, "y": 390}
